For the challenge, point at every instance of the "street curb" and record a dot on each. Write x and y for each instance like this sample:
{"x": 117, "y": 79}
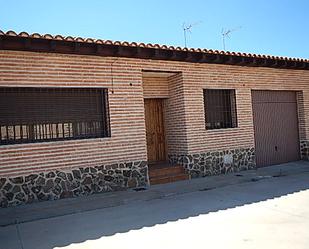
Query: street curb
{"x": 51, "y": 209}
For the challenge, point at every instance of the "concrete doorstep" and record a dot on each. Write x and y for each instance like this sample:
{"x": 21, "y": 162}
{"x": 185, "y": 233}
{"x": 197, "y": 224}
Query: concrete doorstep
{"x": 49, "y": 209}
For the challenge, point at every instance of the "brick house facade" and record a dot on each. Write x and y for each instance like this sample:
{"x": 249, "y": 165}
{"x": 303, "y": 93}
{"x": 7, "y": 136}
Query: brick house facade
{"x": 66, "y": 168}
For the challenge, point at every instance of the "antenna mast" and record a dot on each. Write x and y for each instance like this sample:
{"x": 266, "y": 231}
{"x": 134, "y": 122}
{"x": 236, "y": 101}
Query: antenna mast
{"x": 226, "y": 34}
{"x": 187, "y": 28}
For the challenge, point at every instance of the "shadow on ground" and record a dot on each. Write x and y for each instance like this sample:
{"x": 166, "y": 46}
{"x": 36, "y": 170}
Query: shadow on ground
{"x": 77, "y": 228}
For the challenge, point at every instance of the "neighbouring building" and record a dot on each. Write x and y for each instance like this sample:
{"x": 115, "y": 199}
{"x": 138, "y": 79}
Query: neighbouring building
{"x": 82, "y": 116}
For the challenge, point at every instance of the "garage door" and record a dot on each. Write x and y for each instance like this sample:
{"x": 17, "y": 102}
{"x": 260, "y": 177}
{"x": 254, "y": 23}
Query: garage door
{"x": 275, "y": 127}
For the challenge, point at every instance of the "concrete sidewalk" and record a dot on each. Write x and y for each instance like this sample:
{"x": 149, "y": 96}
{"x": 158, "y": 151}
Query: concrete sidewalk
{"x": 267, "y": 208}
{"x": 45, "y": 210}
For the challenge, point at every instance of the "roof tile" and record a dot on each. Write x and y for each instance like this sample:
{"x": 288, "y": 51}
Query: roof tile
{"x": 143, "y": 45}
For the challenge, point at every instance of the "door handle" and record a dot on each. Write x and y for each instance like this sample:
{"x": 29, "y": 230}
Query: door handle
{"x": 276, "y": 148}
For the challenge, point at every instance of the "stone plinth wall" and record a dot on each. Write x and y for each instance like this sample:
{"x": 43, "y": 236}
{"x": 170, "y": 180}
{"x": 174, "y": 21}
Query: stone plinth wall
{"x": 55, "y": 185}
{"x": 215, "y": 163}
{"x": 304, "y": 150}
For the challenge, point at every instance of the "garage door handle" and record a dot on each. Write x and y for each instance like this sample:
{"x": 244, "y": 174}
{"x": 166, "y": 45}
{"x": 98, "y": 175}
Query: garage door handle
{"x": 276, "y": 148}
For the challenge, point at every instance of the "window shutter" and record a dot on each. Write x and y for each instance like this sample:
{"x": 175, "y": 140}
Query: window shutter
{"x": 47, "y": 114}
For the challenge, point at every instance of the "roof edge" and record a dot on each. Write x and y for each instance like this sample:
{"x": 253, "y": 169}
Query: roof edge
{"x": 36, "y": 42}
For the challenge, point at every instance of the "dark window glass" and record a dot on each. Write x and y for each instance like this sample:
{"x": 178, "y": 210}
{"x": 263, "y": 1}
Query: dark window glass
{"x": 48, "y": 114}
{"x": 220, "y": 108}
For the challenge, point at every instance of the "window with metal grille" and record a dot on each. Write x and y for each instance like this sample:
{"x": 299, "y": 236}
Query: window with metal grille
{"x": 47, "y": 114}
{"x": 220, "y": 108}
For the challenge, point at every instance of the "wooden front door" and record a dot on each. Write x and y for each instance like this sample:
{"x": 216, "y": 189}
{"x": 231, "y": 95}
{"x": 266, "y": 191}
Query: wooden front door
{"x": 155, "y": 130}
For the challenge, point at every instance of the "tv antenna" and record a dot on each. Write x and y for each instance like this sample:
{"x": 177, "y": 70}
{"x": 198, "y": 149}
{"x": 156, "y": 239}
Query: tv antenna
{"x": 187, "y": 28}
{"x": 226, "y": 34}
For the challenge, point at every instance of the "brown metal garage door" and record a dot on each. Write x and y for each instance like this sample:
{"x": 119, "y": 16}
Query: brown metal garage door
{"x": 275, "y": 127}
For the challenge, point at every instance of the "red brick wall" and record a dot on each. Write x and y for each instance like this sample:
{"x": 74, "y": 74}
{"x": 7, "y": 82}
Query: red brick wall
{"x": 185, "y": 123}
{"x": 127, "y": 141}
{"x": 175, "y": 116}
{"x": 155, "y": 87}
{"x": 243, "y": 79}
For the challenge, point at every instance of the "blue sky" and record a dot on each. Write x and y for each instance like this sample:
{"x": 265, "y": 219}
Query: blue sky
{"x": 276, "y": 27}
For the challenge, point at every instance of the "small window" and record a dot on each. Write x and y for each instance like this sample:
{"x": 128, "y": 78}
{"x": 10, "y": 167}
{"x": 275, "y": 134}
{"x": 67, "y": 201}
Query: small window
{"x": 220, "y": 108}
{"x": 48, "y": 114}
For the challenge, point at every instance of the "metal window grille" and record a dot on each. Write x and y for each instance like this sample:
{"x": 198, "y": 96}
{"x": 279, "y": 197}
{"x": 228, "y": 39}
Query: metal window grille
{"x": 30, "y": 115}
{"x": 220, "y": 108}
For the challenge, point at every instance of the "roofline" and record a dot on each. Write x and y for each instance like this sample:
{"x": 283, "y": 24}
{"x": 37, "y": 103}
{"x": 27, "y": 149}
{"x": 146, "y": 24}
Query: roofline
{"x": 87, "y": 46}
